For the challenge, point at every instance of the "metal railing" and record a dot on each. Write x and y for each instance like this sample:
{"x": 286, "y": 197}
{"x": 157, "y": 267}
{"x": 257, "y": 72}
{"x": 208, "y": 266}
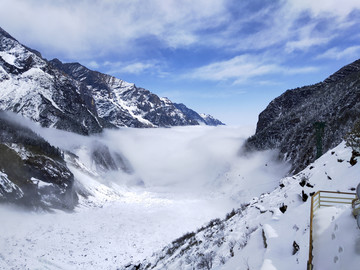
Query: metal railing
{"x": 325, "y": 199}
{"x": 356, "y": 207}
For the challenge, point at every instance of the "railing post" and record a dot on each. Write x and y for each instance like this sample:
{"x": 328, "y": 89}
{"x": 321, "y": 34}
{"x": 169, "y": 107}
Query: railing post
{"x": 309, "y": 266}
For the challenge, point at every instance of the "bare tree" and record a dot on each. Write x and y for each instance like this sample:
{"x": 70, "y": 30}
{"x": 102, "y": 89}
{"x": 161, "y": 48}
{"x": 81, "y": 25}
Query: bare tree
{"x": 206, "y": 260}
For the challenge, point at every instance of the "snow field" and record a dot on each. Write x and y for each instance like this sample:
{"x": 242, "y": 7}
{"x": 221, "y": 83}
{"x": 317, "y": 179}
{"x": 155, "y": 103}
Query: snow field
{"x": 104, "y": 237}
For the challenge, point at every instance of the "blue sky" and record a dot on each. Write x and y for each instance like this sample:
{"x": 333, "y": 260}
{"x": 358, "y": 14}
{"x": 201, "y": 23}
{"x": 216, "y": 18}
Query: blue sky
{"x": 228, "y": 58}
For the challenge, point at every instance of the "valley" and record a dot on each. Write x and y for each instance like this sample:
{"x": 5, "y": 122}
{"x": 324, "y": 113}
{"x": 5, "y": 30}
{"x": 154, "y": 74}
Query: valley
{"x": 180, "y": 179}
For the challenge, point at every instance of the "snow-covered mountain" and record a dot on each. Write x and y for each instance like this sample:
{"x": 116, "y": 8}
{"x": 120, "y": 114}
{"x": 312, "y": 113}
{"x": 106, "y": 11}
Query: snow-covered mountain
{"x": 210, "y": 120}
{"x": 74, "y": 98}
{"x": 30, "y": 87}
{"x": 204, "y": 119}
{"x": 124, "y": 104}
{"x": 305, "y": 122}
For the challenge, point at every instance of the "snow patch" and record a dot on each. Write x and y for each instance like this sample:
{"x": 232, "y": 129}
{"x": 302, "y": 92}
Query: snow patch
{"x": 9, "y": 58}
{"x": 267, "y": 265}
{"x": 8, "y": 186}
{"x": 270, "y": 231}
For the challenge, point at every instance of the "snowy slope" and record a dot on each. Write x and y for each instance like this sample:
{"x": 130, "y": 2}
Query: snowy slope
{"x": 259, "y": 236}
{"x": 32, "y": 172}
{"x": 21, "y": 89}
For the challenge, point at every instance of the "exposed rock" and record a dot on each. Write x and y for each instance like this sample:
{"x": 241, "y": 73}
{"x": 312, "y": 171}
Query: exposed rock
{"x": 105, "y": 160}
{"x": 283, "y": 208}
{"x": 304, "y": 196}
{"x": 296, "y": 248}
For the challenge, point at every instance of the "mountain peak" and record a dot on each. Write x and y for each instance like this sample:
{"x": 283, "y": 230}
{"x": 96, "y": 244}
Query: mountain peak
{"x": 5, "y": 34}
{"x": 72, "y": 97}
{"x": 347, "y": 70}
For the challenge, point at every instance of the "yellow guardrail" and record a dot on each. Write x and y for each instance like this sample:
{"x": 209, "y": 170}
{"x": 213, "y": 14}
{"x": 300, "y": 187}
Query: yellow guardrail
{"x": 325, "y": 199}
{"x": 356, "y": 207}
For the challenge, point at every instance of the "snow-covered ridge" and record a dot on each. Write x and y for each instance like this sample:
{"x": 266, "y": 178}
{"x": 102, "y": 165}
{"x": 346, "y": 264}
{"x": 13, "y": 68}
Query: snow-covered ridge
{"x": 33, "y": 89}
{"x": 124, "y": 104}
{"x": 72, "y": 97}
{"x": 274, "y": 226}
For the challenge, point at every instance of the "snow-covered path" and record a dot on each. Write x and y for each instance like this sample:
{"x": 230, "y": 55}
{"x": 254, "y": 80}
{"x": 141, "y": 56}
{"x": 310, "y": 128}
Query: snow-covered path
{"x": 336, "y": 239}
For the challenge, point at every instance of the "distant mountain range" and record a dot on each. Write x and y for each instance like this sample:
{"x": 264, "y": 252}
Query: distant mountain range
{"x": 74, "y": 98}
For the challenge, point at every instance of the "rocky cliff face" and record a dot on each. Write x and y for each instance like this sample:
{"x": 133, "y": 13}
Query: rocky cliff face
{"x": 202, "y": 119}
{"x": 305, "y": 122}
{"x": 74, "y": 98}
{"x": 32, "y": 172}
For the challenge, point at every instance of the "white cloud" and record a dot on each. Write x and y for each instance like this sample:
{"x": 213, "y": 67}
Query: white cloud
{"x": 78, "y": 27}
{"x": 242, "y": 66}
{"x": 326, "y": 19}
{"x": 337, "y": 53}
{"x": 86, "y": 31}
{"x": 137, "y": 68}
{"x": 93, "y": 64}
{"x": 241, "y": 69}
{"x": 329, "y": 7}
{"x": 293, "y": 25}
{"x": 306, "y": 43}
{"x": 133, "y": 67}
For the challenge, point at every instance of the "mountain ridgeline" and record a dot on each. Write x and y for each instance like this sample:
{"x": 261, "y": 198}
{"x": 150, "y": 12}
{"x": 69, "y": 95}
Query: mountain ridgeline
{"x": 74, "y": 98}
{"x": 305, "y": 122}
